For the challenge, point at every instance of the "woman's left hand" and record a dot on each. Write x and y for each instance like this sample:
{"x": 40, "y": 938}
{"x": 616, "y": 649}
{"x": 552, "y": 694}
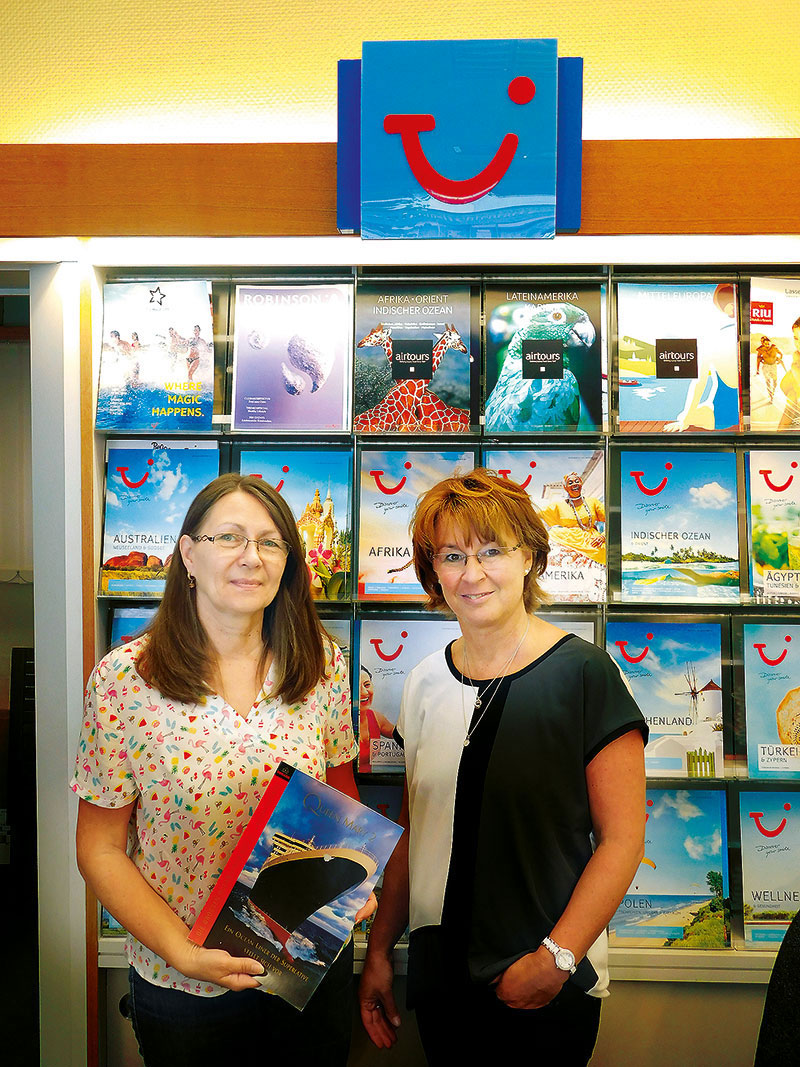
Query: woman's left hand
{"x": 369, "y": 908}
{"x": 530, "y": 982}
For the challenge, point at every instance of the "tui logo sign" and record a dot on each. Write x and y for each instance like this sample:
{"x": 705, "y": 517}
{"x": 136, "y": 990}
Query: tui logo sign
{"x": 451, "y": 139}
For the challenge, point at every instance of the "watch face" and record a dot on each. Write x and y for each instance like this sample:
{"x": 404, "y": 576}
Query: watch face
{"x": 565, "y": 961}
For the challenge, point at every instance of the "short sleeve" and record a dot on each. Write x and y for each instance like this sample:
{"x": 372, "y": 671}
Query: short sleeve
{"x": 609, "y": 709}
{"x": 339, "y": 740}
{"x": 103, "y": 771}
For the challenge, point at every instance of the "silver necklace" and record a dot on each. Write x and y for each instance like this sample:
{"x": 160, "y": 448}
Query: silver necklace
{"x": 488, "y": 694}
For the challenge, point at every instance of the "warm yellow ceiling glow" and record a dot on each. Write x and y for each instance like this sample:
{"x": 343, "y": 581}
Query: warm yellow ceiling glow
{"x": 181, "y": 70}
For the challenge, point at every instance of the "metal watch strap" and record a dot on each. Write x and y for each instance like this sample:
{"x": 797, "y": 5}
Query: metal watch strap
{"x": 554, "y": 948}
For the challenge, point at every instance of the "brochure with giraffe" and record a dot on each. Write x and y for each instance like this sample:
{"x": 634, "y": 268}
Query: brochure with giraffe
{"x": 417, "y": 357}
{"x": 387, "y": 650}
{"x": 773, "y": 512}
{"x": 317, "y": 486}
{"x": 292, "y": 357}
{"x": 157, "y": 359}
{"x": 775, "y": 355}
{"x": 770, "y": 834}
{"x": 675, "y": 672}
{"x": 567, "y": 488}
{"x": 391, "y": 483}
{"x": 680, "y": 895}
{"x": 545, "y": 357}
{"x": 677, "y": 358}
{"x": 680, "y": 533}
{"x": 771, "y": 656}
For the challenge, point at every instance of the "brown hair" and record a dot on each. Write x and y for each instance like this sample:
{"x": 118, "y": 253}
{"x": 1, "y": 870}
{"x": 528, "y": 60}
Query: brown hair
{"x": 488, "y": 506}
{"x": 178, "y": 656}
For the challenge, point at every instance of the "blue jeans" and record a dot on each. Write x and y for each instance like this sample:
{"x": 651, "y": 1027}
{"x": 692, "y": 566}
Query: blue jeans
{"x": 177, "y": 1029}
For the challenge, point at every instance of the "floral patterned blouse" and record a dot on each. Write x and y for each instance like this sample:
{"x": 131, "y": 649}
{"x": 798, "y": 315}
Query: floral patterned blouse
{"x": 196, "y": 773}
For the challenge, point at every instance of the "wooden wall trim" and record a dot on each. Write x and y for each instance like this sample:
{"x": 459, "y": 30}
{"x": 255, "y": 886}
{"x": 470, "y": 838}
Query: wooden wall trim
{"x": 736, "y": 186}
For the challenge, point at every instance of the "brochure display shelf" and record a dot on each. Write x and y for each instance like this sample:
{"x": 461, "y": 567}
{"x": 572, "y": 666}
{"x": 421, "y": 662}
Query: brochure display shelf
{"x": 704, "y": 585}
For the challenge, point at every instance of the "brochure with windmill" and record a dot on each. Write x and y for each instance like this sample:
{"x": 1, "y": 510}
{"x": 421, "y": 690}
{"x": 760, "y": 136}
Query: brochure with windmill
{"x": 770, "y": 835}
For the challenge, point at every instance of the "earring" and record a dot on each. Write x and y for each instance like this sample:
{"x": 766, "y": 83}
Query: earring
{"x": 192, "y": 582}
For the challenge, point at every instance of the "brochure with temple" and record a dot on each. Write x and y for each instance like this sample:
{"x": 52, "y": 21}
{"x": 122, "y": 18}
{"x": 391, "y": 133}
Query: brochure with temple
{"x": 770, "y": 835}
{"x": 307, "y": 860}
{"x": 680, "y": 895}
{"x": 417, "y": 357}
{"x": 675, "y": 672}
{"x": 771, "y": 656}
{"x": 157, "y": 359}
{"x": 567, "y": 488}
{"x": 775, "y": 355}
{"x": 773, "y": 513}
{"x": 317, "y": 486}
{"x": 149, "y": 487}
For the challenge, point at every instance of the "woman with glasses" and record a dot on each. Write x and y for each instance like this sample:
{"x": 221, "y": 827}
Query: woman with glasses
{"x": 525, "y": 799}
{"x": 183, "y": 729}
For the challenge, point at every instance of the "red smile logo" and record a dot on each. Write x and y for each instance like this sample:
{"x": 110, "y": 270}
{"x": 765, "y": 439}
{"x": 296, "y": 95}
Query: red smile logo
{"x": 386, "y": 489}
{"x": 123, "y": 473}
{"x": 638, "y": 475}
{"x": 757, "y": 816}
{"x": 778, "y": 488}
{"x": 759, "y": 646}
{"x": 451, "y": 191}
{"x": 633, "y": 659}
{"x": 523, "y": 485}
{"x": 279, "y": 486}
{"x": 376, "y": 643}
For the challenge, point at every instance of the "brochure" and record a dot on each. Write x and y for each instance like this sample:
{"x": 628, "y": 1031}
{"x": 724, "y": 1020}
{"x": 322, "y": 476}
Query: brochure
{"x": 128, "y": 623}
{"x": 545, "y": 357}
{"x": 679, "y": 897}
{"x": 771, "y": 656}
{"x": 677, "y": 358}
{"x": 773, "y": 512}
{"x": 415, "y": 371}
{"x": 317, "y": 486}
{"x": 292, "y": 357}
{"x": 157, "y": 360}
{"x": 770, "y": 834}
{"x": 680, "y": 535}
{"x": 675, "y": 672}
{"x": 567, "y": 487}
{"x": 774, "y": 354}
{"x": 303, "y": 866}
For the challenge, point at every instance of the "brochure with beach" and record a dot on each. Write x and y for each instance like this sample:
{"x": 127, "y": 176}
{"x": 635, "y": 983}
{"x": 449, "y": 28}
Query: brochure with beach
{"x": 773, "y": 513}
{"x": 417, "y": 357}
{"x": 317, "y": 486}
{"x": 774, "y": 354}
{"x": 545, "y": 357}
{"x": 675, "y": 672}
{"x": 679, "y": 897}
{"x": 567, "y": 488}
{"x": 305, "y": 863}
{"x": 157, "y": 360}
{"x": 387, "y": 650}
{"x": 391, "y": 483}
{"x": 292, "y": 357}
{"x": 149, "y": 487}
{"x": 680, "y": 534}
{"x": 771, "y": 656}
{"x": 128, "y": 623}
{"x": 770, "y": 834}
{"x": 677, "y": 358}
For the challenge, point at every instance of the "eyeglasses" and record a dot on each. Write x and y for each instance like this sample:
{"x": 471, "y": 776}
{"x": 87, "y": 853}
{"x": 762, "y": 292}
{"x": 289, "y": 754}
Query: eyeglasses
{"x": 267, "y": 547}
{"x": 488, "y": 558}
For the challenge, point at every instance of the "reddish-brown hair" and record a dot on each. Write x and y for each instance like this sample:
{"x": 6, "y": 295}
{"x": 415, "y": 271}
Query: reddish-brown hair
{"x": 490, "y": 508}
{"x": 178, "y": 656}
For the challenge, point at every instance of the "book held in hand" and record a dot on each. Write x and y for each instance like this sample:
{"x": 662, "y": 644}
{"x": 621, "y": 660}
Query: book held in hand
{"x": 304, "y": 865}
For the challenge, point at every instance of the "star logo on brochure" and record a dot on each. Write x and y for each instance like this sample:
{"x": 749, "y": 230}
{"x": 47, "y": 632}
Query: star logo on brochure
{"x": 157, "y": 297}
{"x": 622, "y": 645}
{"x": 760, "y": 647}
{"x": 757, "y": 816}
{"x": 389, "y": 490}
{"x": 123, "y": 473}
{"x": 765, "y": 474}
{"x": 376, "y": 643}
{"x": 638, "y": 475}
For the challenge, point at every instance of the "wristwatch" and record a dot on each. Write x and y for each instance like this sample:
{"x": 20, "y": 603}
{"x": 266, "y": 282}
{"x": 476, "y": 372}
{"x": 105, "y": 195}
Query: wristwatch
{"x": 565, "y": 960}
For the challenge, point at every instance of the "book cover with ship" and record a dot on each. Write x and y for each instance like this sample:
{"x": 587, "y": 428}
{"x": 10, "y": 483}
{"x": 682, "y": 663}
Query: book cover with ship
{"x": 770, "y": 835}
{"x": 129, "y": 623}
{"x": 417, "y": 358}
{"x": 774, "y": 354}
{"x": 149, "y": 487}
{"x": 567, "y": 488}
{"x": 771, "y": 657}
{"x": 157, "y": 359}
{"x": 680, "y": 535}
{"x": 387, "y": 650}
{"x": 773, "y": 512}
{"x": 292, "y": 357}
{"x": 288, "y": 896}
{"x": 680, "y": 896}
{"x": 677, "y": 357}
{"x": 675, "y": 672}
{"x": 391, "y": 483}
{"x": 545, "y": 357}
{"x": 317, "y": 486}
